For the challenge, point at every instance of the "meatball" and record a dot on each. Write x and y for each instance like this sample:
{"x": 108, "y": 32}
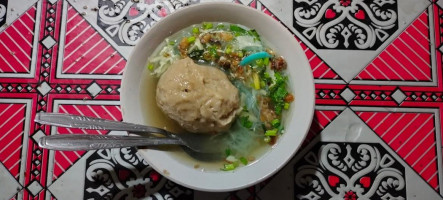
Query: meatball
{"x": 200, "y": 98}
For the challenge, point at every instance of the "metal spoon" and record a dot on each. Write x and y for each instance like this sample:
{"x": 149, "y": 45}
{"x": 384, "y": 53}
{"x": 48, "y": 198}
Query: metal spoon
{"x": 75, "y": 142}
{"x": 196, "y": 142}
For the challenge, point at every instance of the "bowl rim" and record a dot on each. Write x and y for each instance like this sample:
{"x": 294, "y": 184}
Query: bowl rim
{"x": 310, "y": 107}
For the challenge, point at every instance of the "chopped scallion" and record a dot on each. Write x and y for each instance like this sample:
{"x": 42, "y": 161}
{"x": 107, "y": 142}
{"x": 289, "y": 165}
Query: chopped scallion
{"x": 259, "y": 62}
{"x": 207, "y": 25}
{"x": 228, "y": 50}
{"x": 171, "y": 42}
{"x": 212, "y": 51}
{"x": 275, "y": 123}
{"x": 244, "y": 160}
{"x": 240, "y": 54}
{"x": 286, "y": 106}
{"x": 272, "y": 132}
{"x": 262, "y": 84}
{"x": 191, "y": 39}
{"x": 228, "y": 167}
{"x": 245, "y": 122}
{"x": 266, "y": 61}
{"x": 195, "y": 30}
{"x": 150, "y": 66}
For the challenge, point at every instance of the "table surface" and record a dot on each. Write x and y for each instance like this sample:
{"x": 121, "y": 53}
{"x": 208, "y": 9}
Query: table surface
{"x": 377, "y": 127}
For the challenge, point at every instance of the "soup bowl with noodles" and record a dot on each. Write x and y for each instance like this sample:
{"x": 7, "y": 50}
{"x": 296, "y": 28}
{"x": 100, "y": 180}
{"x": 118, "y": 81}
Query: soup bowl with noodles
{"x": 246, "y": 60}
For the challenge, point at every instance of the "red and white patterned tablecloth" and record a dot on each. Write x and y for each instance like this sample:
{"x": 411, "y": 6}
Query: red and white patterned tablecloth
{"x": 379, "y": 93}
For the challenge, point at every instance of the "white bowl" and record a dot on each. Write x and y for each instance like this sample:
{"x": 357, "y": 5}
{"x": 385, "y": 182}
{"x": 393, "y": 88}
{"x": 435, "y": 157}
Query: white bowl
{"x": 298, "y": 119}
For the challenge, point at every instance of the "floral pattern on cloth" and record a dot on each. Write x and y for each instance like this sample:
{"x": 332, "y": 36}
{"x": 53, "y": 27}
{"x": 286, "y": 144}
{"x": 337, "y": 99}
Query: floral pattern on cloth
{"x": 349, "y": 171}
{"x": 346, "y": 24}
{"x": 125, "y": 21}
{"x": 124, "y": 174}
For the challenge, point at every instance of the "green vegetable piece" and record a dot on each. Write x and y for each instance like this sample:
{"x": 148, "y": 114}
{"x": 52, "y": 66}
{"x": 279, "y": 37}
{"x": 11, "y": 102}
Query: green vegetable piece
{"x": 266, "y": 62}
{"x": 259, "y": 62}
{"x": 171, "y": 43}
{"x": 195, "y": 55}
{"x": 195, "y": 30}
{"x": 262, "y": 84}
{"x": 240, "y": 54}
{"x": 228, "y": 50}
{"x": 151, "y": 67}
{"x": 279, "y": 94}
{"x": 191, "y": 39}
{"x": 237, "y": 29}
{"x": 256, "y": 81}
{"x": 207, "y": 25}
{"x": 228, "y": 152}
{"x": 279, "y": 79}
{"x": 267, "y": 139}
{"x": 244, "y": 161}
{"x": 213, "y": 51}
{"x": 244, "y": 120}
{"x": 272, "y": 132}
{"x": 278, "y": 109}
{"x": 220, "y": 26}
{"x": 286, "y": 106}
{"x": 275, "y": 123}
{"x": 228, "y": 167}
{"x": 254, "y": 34}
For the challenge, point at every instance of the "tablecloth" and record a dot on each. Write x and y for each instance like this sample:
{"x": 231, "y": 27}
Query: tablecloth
{"x": 376, "y": 133}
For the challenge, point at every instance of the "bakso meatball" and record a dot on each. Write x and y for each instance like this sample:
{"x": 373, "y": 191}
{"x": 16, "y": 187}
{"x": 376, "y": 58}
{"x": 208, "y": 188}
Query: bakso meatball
{"x": 200, "y": 98}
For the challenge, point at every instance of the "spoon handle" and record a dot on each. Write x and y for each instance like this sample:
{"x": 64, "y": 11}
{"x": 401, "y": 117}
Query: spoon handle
{"x": 76, "y": 121}
{"x": 74, "y": 142}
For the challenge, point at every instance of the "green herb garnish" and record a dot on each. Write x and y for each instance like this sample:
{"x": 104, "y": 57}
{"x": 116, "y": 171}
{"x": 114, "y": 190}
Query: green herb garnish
{"x": 228, "y": 152}
{"x": 243, "y": 160}
{"x": 254, "y": 34}
{"x": 266, "y": 61}
{"x": 237, "y": 30}
{"x": 245, "y": 122}
{"x": 195, "y": 55}
{"x": 275, "y": 123}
